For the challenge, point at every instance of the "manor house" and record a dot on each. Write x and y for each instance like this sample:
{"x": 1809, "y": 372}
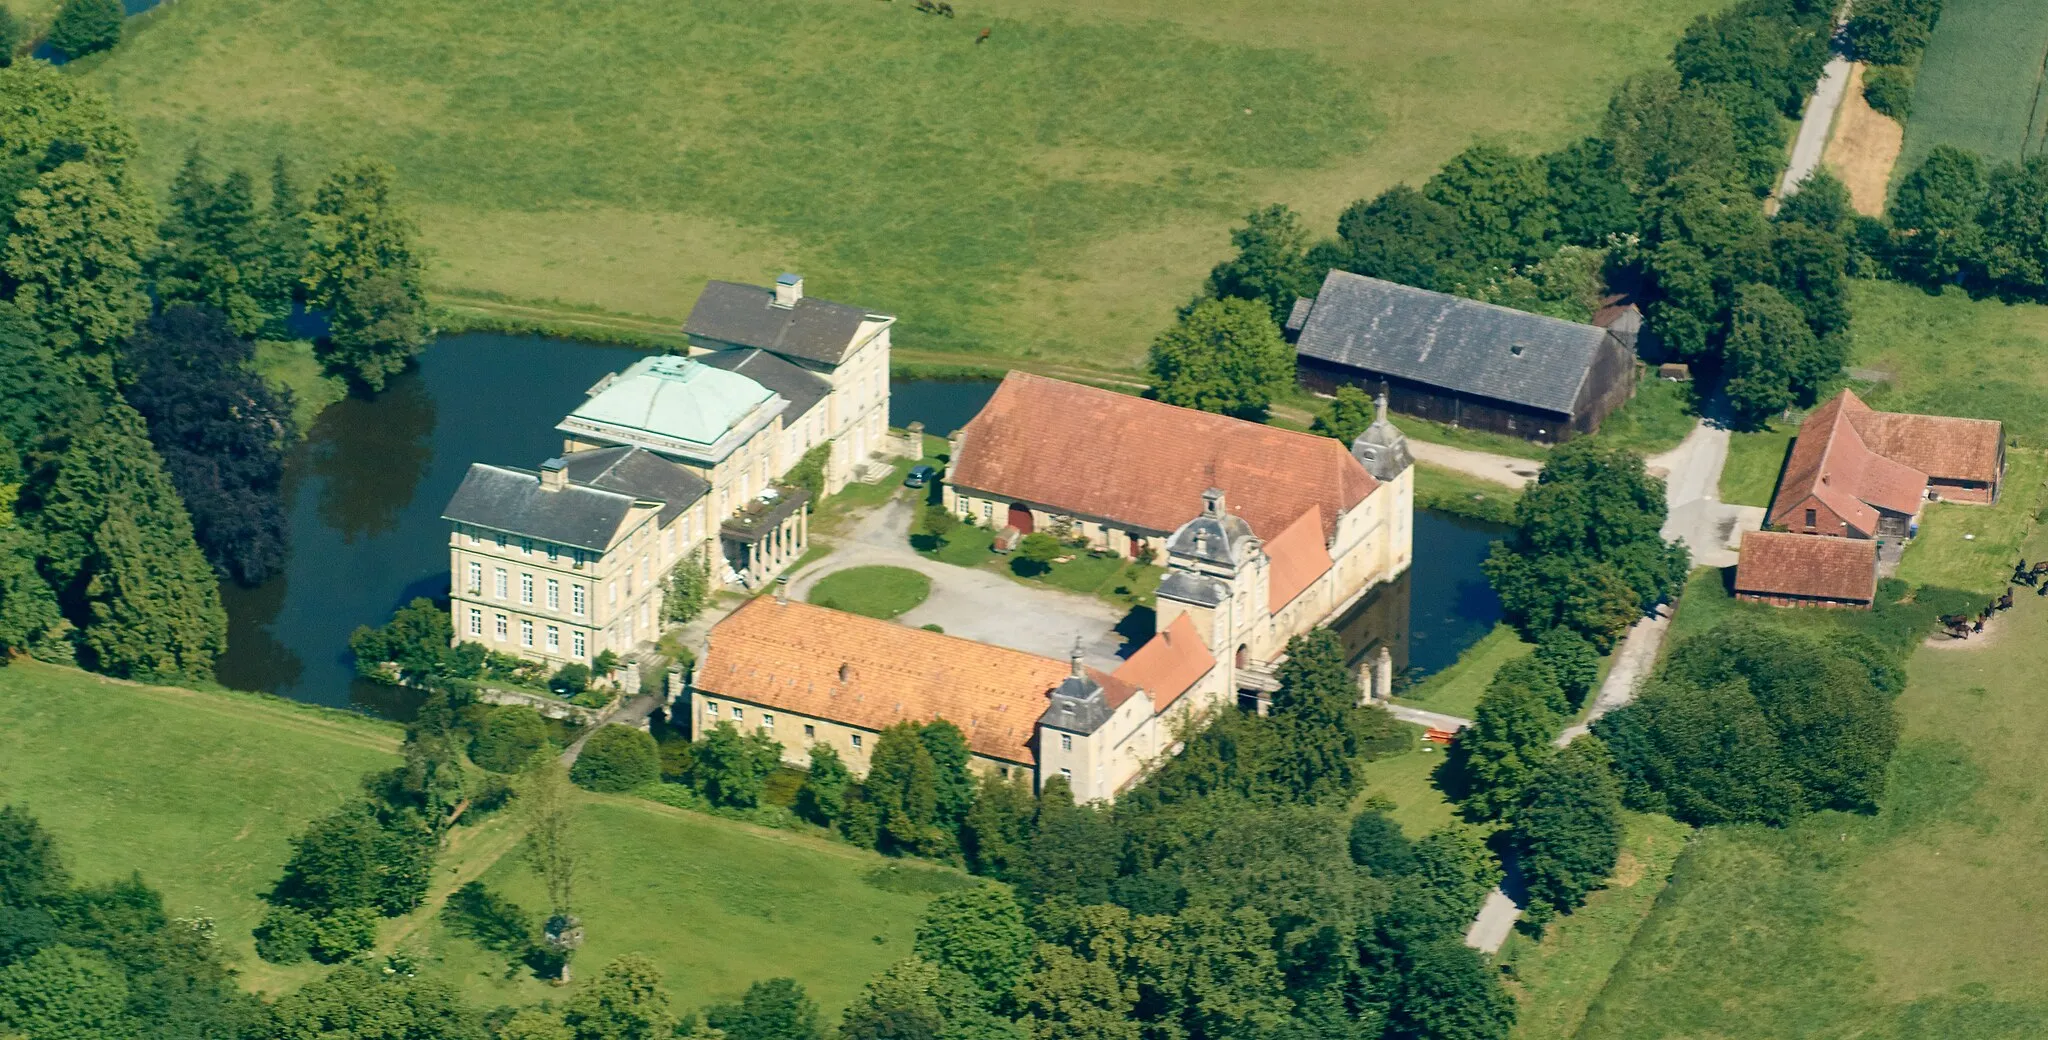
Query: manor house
{"x": 676, "y": 456}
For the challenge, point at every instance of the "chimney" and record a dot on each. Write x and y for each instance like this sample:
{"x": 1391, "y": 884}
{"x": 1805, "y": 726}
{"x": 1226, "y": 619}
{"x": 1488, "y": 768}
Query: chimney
{"x": 1380, "y": 407}
{"x": 1212, "y": 502}
{"x": 1075, "y": 658}
{"x": 789, "y": 288}
{"x": 782, "y": 589}
{"x": 554, "y": 475}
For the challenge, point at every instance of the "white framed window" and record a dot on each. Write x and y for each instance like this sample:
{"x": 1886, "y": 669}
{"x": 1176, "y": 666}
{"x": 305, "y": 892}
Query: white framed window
{"x": 503, "y": 580}
{"x": 554, "y": 594}
{"x": 988, "y": 512}
{"x": 856, "y": 742}
{"x": 1066, "y": 742}
{"x": 525, "y": 633}
{"x": 476, "y": 622}
{"x": 554, "y": 643}
{"x": 501, "y": 628}
{"x": 739, "y": 714}
{"x": 525, "y": 587}
{"x": 767, "y": 720}
{"x": 711, "y": 709}
{"x": 476, "y": 578}
{"x": 576, "y": 600}
{"x": 576, "y": 643}
{"x": 526, "y": 547}
{"x": 1068, "y": 775}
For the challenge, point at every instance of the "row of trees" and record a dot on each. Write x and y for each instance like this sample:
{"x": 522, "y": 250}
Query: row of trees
{"x": 1957, "y": 219}
{"x": 1890, "y": 35}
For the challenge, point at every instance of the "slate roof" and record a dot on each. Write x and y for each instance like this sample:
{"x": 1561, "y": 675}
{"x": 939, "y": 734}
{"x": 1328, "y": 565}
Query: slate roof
{"x": 1450, "y": 342}
{"x": 1775, "y": 563}
{"x": 640, "y": 473}
{"x": 1169, "y": 664}
{"x": 512, "y": 500}
{"x": 791, "y": 655}
{"x": 746, "y": 316}
{"x": 1193, "y": 588}
{"x": 800, "y": 388}
{"x": 1144, "y": 465}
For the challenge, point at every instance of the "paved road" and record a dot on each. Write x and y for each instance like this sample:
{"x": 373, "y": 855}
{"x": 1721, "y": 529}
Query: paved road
{"x": 1633, "y": 660}
{"x": 1813, "y": 129}
{"x": 1501, "y": 469}
{"x": 1497, "y": 917}
{"x": 1696, "y": 515}
{"x": 1432, "y": 719}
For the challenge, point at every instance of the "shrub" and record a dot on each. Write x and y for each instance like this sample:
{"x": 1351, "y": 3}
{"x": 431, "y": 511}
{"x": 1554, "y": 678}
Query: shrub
{"x": 286, "y": 935}
{"x": 1889, "y": 89}
{"x": 1036, "y": 553}
{"x": 11, "y": 34}
{"x": 345, "y": 933}
{"x": 616, "y": 758}
{"x": 87, "y": 26}
{"x": 570, "y": 680}
{"x": 862, "y": 824}
{"x": 604, "y": 663}
{"x": 509, "y": 738}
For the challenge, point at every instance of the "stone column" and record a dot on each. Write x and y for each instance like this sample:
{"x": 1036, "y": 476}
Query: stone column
{"x": 1383, "y": 674}
{"x": 629, "y": 679}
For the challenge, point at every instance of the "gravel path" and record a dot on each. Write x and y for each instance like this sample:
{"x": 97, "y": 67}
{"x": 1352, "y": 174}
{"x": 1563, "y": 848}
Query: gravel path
{"x": 1501, "y": 469}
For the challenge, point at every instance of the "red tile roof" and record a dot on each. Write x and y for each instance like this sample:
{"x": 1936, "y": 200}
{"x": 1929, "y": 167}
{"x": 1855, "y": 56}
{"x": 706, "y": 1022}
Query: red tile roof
{"x": 1298, "y": 558}
{"x": 1830, "y": 461}
{"x": 1169, "y": 664}
{"x": 1942, "y": 447}
{"x": 792, "y": 656}
{"x": 1774, "y": 563}
{"x": 1143, "y": 464}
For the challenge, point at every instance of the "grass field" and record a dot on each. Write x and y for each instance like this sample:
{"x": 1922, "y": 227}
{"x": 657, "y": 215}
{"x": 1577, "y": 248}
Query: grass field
{"x": 1451, "y": 491}
{"x": 1456, "y": 690}
{"x": 1054, "y": 192}
{"x": 1653, "y": 421}
{"x": 1971, "y": 547}
{"x": 1755, "y": 459}
{"x": 1404, "y": 779}
{"x": 877, "y": 592}
{"x": 1557, "y": 978}
{"x": 291, "y": 366}
{"x": 716, "y": 904}
{"x": 1980, "y": 82}
{"x": 1951, "y": 355}
{"x": 201, "y": 792}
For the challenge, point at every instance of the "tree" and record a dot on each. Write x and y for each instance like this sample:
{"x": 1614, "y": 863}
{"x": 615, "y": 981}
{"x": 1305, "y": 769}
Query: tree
{"x": 1501, "y": 203}
{"x": 534, "y": 1024}
{"x": 221, "y": 431}
{"x": 31, "y": 871}
{"x": 509, "y": 739}
{"x": 12, "y": 33}
{"x": 730, "y": 768}
{"x": 1587, "y": 191}
{"x": 952, "y": 780}
{"x": 362, "y": 268}
{"x": 1317, "y": 706}
{"x": 1935, "y": 234}
{"x": 1072, "y": 851}
{"x": 351, "y": 859}
{"x": 2015, "y": 221}
{"x": 980, "y": 933}
{"x": 1568, "y": 828}
{"x": 1455, "y": 862}
{"x": 1349, "y": 415}
{"x": 1656, "y": 129}
{"x": 1702, "y": 755}
{"x": 213, "y": 252}
{"x": 897, "y": 1005}
{"x": 85, "y": 27}
{"x": 1771, "y": 354}
{"x": 74, "y": 257}
{"x": 617, "y": 758}
{"x": 1271, "y": 266}
{"x": 1378, "y": 845}
{"x": 1068, "y": 998}
{"x": 416, "y": 639}
{"x": 902, "y": 783}
{"x": 822, "y": 798}
{"x": 1448, "y": 993}
{"x": 1572, "y": 662}
{"x": 360, "y": 1002}
{"x": 550, "y": 844}
{"x": 65, "y": 993}
{"x": 624, "y": 1002}
{"x": 777, "y": 1009}
{"x": 285, "y": 243}
{"x": 687, "y": 588}
{"x": 1225, "y": 356}
{"x": 1889, "y": 90}
{"x": 1035, "y": 553}
{"x": 1891, "y": 32}
{"x": 1812, "y": 265}
{"x": 1821, "y": 203}
{"x": 1402, "y": 236}
{"x": 1503, "y": 750}
{"x": 996, "y": 828}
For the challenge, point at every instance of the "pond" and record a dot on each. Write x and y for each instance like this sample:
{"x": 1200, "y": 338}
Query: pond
{"x": 364, "y": 493}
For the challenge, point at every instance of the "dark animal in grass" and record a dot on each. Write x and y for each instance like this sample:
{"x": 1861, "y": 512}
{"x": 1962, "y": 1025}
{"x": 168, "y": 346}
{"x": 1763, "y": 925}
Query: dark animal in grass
{"x": 2005, "y": 601}
{"x": 983, "y": 38}
{"x": 2021, "y": 574}
{"x": 1979, "y": 626}
{"x": 927, "y": 6}
{"x": 2040, "y": 568}
{"x": 945, "y": 8}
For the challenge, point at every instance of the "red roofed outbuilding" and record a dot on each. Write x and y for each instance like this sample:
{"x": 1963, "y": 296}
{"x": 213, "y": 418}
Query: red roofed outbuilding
{"x": 1803, "y": 570}
{"x": 1856, "y": 472}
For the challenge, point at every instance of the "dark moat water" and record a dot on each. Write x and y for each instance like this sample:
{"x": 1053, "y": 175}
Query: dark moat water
{"x": 365, "y": 491}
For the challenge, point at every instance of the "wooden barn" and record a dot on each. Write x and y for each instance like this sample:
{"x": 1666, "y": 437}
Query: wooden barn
{"x": 1460, "y": 361}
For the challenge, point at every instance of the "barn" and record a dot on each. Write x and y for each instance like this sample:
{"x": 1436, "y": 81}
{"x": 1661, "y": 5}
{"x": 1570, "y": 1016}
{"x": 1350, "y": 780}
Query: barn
{"x": 1459, "y": 361}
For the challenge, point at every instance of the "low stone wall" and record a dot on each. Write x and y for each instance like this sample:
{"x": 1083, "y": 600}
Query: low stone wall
{"x": 549, "y": 707}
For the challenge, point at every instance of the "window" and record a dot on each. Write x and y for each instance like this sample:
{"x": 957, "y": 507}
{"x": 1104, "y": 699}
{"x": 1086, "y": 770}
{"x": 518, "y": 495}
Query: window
{"x": 767, "y": 720}
{"x": 501, "y": 539}
{"x": 501, "y": 588}
{"x": 738, "y": 713}
{"x": 554, "y": 594}
{"x": 476, "y": 622}
{"x": 525, "y": 588}
{"x": 554, "y": 553}
{"x": 1067, "y": 775}
{"x": 856, "y": 742}
{"x": 525, "y": 633}
{"x": 476, "y": 578}
{"x": 526, "y": 546}
{"x": 1811, "y": 517}
{"x": 1066, "y": 742}
{"x": 988, "y": 512}
{"x": 501, "y": 628}
{"x": 611, "y": 592}
{"x": 576, "y": 600}
{"x": 810, "y": 732}
{"x": 578, "y": 557}
{"x": 576, "y": 642}
{"x": 711, "y": 709}
{"x": 474, "y": 536}
{"x": 554, "y": 639}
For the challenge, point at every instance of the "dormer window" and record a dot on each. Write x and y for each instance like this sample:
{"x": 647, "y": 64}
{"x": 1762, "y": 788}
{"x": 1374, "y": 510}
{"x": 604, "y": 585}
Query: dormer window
{"x": 845, "y": 672}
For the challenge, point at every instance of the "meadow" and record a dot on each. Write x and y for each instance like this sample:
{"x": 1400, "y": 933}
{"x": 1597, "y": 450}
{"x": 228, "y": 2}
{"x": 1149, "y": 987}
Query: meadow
{"x": 1054, "y": 192}
{"x": 1981, "y": 81}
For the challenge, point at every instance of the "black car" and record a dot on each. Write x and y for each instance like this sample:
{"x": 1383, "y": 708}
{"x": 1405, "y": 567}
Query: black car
{"x": 919, "y": 476}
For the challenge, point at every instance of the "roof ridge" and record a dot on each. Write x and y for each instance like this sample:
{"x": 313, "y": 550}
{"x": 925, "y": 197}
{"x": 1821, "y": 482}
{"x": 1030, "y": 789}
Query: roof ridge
{"x": 1463, "y": 301}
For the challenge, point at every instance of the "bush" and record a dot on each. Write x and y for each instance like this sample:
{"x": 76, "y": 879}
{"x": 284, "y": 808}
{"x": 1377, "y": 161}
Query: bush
{"x": 862, "y": 824}
{"x": 1889, "y": 89}
{"x": 345, "y": 933}
{"x": 286, "y": 936}
{"x": 12, "y": 32}
{"x": 604, "y": 663}
{"x": 87, "y": 26}
{"x": 617, "y": 758}
{"x": 569, "y": 680}
{"x": 1036, "y": 553}
{"x": 509, "y": 738}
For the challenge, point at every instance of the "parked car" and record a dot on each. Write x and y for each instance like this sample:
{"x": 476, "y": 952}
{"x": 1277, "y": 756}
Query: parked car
{"x": 919, "y": 476}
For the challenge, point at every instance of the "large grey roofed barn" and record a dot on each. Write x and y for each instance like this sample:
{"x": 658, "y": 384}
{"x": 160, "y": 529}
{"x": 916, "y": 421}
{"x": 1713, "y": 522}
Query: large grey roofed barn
{"x": 747, "y": 316}
{"x": 1450, "y": 342}
{"x": 513, "y": 500}
{"x": 639, "y": 473}
{"x": 800, "y": 388}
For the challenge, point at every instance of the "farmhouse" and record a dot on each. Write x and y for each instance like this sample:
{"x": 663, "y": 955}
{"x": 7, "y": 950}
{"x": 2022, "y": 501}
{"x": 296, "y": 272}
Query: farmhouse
{"x": 1802, "y": 570}
{"x": 807, "y": 675}
{"x": 1859, "y": 473}
{"x": 1264, "y": 532}
{"x": 1459, "y": 361}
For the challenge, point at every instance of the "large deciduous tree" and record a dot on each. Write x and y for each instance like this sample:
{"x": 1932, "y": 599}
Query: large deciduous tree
{"x": 1568, "y": 827}
{"x": 980, "y": 933}
{"x": 1225, "y": 356}
{"x": 1271, "y": 265}
{"x": 1501, "y": 204}
{"x": 363, "y": 269}
{"x": 1771, "y": 357}
{"x": 74, "y": 256}
{"x": 1935, "y": 234}
{"x": 774, "y": 1009}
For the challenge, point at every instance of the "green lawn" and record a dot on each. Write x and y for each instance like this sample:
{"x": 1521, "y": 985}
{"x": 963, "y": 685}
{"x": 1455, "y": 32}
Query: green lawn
{"x": 716, "y": 904}
{"x": 1404, "y": 779}
{"x": 1979, "y": 82}
{"x": 1450, "y": 491}
{"x": 877, "y": 592}
{"x": 201, "y": 792}
{"x": 1456, "y": 690}
{"x": 1951, "y": 355}
{"x": 1755, "y": 460}
{"x": 291, "y": 366}
{"x": 1476, "y": 440}
{"x": 1053, "y": 193}
{"x": 1974, "y": 547}
{"x": 1653, "y": 421}
{"x": 1556, "y": 979}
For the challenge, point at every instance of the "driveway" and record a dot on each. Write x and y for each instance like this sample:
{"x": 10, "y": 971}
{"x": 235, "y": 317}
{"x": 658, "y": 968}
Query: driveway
{"x": 1501, "y": 469}
{"x": 976, "y": 604}
{"x": 1711, "y": 528}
